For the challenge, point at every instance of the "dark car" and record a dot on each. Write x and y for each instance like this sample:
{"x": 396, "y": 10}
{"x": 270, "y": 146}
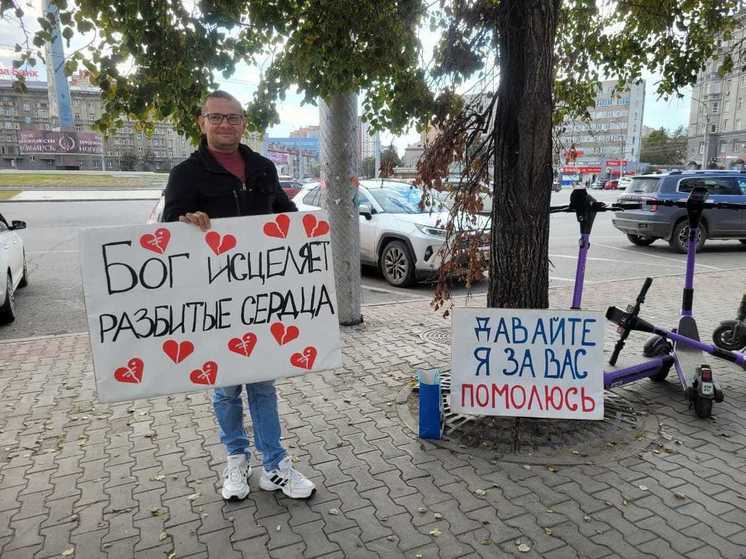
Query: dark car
{"x": 645, "y": 226}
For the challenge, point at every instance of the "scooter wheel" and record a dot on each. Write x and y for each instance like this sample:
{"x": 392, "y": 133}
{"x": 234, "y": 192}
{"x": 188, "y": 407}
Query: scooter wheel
{"x": 702, "y": 407}
{"x": 725, "y": 336}
{"x": 657, "y": 347}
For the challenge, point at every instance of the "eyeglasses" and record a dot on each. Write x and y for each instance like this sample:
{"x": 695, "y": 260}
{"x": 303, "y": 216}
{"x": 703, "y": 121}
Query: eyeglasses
{"x": 217, "y": 118}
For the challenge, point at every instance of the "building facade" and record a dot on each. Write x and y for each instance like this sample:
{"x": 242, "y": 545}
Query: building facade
{"x": 609, "y": 144}
{"x": 125, "y": 149}
{"x": 717, "y": 114}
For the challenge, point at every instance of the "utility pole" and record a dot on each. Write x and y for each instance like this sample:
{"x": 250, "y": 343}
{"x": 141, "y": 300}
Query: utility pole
{"x": 338, "y": 143}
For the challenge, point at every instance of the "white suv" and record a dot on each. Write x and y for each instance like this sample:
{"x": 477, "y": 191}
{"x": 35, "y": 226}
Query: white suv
{"x": 396, "y": 234}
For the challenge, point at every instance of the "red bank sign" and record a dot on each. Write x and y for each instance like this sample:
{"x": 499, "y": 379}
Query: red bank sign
{"x": 10, "y": 72}
{"x": 36, "y": 142}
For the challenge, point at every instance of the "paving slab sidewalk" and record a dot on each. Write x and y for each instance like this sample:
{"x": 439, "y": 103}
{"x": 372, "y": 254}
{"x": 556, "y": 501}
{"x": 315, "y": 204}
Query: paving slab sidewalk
{"x": 140, "y": 479}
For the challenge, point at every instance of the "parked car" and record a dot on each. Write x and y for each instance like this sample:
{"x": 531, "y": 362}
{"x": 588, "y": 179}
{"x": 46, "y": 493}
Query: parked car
{"x": 13, "y": 267}
{"x": 646, "y": 225}
{"x": 611, "y": 184}
{"x": 624, "y": 182}
{"x": 598, "y": 184}
{"x": 290, "y": 186}
{"x": 397, "y": 235}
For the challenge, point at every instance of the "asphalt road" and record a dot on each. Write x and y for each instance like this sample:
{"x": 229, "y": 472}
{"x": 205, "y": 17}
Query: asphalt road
{"x": 53, "y": 302}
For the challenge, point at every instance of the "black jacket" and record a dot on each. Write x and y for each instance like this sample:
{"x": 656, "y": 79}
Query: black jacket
{"x": 201, "y": 184}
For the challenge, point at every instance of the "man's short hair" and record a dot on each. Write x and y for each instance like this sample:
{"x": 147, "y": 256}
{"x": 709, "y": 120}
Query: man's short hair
{"x": 219, "y": 94}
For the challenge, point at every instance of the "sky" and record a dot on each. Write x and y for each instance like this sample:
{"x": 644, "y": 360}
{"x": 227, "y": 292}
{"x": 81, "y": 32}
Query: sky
{"x": 658, "y": 112}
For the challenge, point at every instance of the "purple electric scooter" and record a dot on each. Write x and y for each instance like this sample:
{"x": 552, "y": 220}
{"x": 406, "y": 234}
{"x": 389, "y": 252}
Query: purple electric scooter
{"x": 702, "y": 390}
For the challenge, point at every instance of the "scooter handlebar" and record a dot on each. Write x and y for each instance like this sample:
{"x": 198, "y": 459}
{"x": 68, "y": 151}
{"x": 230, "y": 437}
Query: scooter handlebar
{"x": 599, "y": 207}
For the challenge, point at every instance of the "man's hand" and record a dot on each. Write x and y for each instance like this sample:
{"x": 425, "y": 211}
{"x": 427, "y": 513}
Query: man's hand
{"x": 200, "y": 219}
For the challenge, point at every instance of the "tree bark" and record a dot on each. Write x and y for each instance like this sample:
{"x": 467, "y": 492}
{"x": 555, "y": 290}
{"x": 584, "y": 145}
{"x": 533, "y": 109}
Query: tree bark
{"x": 338, "y": 135}
{"x": 519, "y": 257}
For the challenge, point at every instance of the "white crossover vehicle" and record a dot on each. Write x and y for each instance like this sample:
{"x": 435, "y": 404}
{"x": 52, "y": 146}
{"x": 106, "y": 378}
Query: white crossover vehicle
{"x": 13, "y": 272}
{"x": 396, "y": 233}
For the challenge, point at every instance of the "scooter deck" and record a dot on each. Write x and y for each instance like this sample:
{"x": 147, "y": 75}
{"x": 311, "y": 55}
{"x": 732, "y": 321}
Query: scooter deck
{"x": 689, "y": 358}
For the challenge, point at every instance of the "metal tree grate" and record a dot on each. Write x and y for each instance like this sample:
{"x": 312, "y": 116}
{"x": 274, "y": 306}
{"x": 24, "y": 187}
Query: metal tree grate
{"x": 441, "y": 336}
{"x": 619, "y": 413}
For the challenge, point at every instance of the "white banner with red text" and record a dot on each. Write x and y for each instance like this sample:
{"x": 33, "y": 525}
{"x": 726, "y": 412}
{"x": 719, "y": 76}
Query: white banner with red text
{"x": 173, "y": 309}
{"x": 528, "y": 363}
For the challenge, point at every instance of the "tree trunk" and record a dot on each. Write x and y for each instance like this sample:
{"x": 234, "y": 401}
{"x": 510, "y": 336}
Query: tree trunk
{"x": 338, "y": 119}
{"x": 519, "y": 273}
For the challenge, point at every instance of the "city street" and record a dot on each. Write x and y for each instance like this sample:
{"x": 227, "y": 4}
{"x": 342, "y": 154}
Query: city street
{"x": 53, "y": 303}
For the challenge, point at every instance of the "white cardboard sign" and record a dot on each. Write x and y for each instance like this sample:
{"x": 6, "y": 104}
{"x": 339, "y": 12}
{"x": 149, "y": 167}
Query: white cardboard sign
{"x": 172, "y": 309}
{"x": 528, "y": 363}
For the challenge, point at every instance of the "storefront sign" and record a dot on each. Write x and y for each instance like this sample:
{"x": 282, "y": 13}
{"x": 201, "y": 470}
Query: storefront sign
{"x": 50, "y": 142}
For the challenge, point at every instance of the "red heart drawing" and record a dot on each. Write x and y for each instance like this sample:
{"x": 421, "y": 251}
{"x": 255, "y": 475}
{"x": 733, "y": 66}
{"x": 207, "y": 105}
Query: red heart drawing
{"x": 131, "y": 373}
{"x": 220, "y": 244}
{"x": 304, "y": 360}
{"x": 314, "y": 227}
{"x": 206, "y": 375}
{"x": 157, "y": 242}
{"x": 278, "y": 228}
{"x": 284, "y": 335}
{"x": 243, "y": 345}
{"x": 178, "y": 351}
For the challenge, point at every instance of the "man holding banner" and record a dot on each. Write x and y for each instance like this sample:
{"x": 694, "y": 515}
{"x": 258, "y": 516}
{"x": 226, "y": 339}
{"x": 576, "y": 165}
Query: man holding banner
{"x": 225, "y": 178}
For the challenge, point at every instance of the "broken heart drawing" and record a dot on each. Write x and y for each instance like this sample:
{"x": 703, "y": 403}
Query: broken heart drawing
{"x": 315, "y": 227}
{"x": 220, "y": 243}
{"x": 284, "y": 335}
{"x": 132, "y": 373}
{"x": 278, "y": 228}
{"x": 208, "y": 374}
{"x": 156, "y": 242}
{"x": 305, "y": 359}
{"x": 243, "y": 345}
{"x": 178, "y": 351}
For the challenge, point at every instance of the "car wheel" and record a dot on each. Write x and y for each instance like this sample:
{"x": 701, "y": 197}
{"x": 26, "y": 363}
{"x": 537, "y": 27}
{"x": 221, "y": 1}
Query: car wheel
{"x": 640, "y": 240}
{"x": 24, "y": 277}
{"x": 8, "y": 310}
{"x": 679, "y": 240}
{"x": 397, "y": 264}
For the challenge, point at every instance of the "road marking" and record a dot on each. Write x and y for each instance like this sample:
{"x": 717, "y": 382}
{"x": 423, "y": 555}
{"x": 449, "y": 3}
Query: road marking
{"x": 659, "y": 256}
{"x": 574, "y": 257}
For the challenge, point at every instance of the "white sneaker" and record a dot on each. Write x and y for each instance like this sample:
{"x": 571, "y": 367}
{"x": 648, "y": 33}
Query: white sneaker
{"x": 236, "y": 478}
{"x": 293, "y": 483}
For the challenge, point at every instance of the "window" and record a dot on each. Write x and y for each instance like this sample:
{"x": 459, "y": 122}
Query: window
{"x": 713, "y": 128}
{"x": 725, "y": 125}
{"x": 715, "y": 106}
{"x": 739, "y": 103}
{"x": 717, "y": 185}
{"x": 723, "y": 146}
{"x": 738, "y": 124}
{"x": 644, "y": 185}
{"x": 313, "y": 198}
{"x": 27, "y": 106}
{"x": 742, "y": 184}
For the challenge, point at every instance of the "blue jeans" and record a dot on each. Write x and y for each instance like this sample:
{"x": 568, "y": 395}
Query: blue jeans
{"x": 228, "y": 406}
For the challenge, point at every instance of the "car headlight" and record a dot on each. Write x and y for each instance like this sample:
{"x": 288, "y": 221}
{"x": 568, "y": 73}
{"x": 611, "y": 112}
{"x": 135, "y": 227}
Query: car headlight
{"x": 438, "y": 232}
